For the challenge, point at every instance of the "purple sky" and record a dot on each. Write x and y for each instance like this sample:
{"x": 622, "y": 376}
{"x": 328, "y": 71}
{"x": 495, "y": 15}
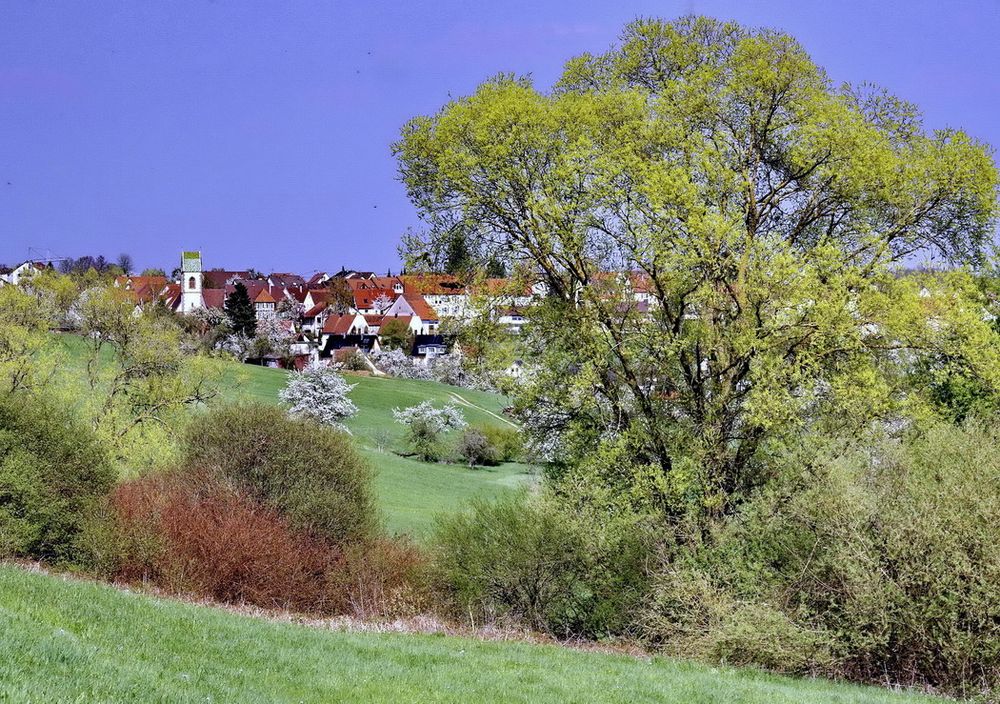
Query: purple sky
{"x": 260, "y": 132}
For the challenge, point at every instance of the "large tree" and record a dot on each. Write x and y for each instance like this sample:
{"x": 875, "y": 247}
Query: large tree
{"x": 240, "y": 311}
{"x": 719, "y": 173}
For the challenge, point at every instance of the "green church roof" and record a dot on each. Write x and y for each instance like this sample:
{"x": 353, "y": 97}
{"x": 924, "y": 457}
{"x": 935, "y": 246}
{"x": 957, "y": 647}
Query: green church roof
{"x": 191, "y": 261}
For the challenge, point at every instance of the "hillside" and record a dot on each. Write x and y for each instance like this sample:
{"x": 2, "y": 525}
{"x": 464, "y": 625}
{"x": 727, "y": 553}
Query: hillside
{"x": 67, "y": 640}
{"x": 410, "y": 493}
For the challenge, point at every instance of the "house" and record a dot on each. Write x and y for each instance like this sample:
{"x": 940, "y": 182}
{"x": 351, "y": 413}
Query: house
{"x": 221, "y": 278}
{"x": 264, "y": 304}
{"x": 424, "y": 319}
{"x": 511, "y": 320}
{"x": 143, "y": 286}
{"x": 343, "y": 331}
{"x": 374, "y": 294}
{"x": 444, "y": 293}
{"x": 317, "y": 280}
{"x": 427, "y": 347}
{"x": 287, "y": 280}
{"x": 21, "y": 273}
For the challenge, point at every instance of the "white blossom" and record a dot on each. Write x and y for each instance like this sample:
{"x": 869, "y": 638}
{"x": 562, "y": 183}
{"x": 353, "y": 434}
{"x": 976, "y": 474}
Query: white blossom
{"x": 398, "y": 364}
{"x": 319, "y": 393}
{"x": 436, "y": 419}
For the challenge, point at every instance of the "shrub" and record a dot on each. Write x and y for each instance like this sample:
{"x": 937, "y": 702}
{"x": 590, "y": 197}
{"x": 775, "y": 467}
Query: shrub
{"x": 319, "y": 393}
{"x": 53, "y": 471}
{"x": 381, "y": 578}
{"x": 525, "y": 559}
{"x": 311, "y": 474}
{"x": 425, "y": 425}
{"x": 508, "y": 443}
{"x": 395, "y": 334}
{"x": 354, "y": 361}
{"x": 880, "y": 563}
{"x": 191, "y": 534}
{"x": 475, "y": 448}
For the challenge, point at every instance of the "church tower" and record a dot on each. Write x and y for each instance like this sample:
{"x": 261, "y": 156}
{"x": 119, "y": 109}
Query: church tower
{"x": 191, "y": 297}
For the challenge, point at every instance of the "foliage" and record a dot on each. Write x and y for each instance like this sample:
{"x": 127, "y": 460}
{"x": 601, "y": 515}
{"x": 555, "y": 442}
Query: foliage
{"x": 124, "y": 263}
{"x": 189, "y": 534}
{"x": 241, "y": 312}
{"x": 507, "y": 443}
{"x": 341, "y": 295}
{"x": 716, "y": 171}
{"x": 395, "y": 334}
{"x": 527, "y": 559}
{"x": 24, "y": 324}
{"x": 310, "y": 473}
{"x": 209, "y": 327}
{"x": 355, "y": 362}
{"x": 53, "y": 470}
{"x": 425, "y": 424}
{"x": 475, "y": 448}
{"x": 274, "y": 336}
{"x": 453, "y": 369}
{"x": 319, "y": 393}
{"x": 874, "y": 561}
{"x": 137, "y": 375}
{"x": 381, "y": 578}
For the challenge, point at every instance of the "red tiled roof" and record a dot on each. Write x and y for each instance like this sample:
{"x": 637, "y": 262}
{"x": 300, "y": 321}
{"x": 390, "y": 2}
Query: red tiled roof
{"x": 264, "y": 296}
{"x": 219, "y": 278}
{"x": 134, "y": 283}
{"x": 286, "y": 279}
{"x": 433, "y": 284}
{"x": 339, "y": 324}
{"x": 315, "y": 310}
{"x": 171, "y": 296}
{"x": 420, "y": 307}
{"x": 214, "y": 297}
{"x": 365, "y": 293}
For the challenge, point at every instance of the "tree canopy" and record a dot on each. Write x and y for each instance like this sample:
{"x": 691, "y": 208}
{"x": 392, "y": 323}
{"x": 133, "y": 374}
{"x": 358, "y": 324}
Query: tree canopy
{"x": 717, "y": 224}
{"x": 240, "y": 311}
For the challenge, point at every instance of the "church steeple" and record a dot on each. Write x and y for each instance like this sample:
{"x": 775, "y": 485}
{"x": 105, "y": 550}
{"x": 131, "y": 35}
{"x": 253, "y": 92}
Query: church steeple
{"x": 191, "y": 282}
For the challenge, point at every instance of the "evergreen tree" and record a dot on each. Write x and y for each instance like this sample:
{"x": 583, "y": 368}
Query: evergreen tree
{"x": 240, "y": 311}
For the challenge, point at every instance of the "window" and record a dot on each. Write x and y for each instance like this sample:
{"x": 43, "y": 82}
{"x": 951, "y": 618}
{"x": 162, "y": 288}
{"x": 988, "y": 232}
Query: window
{"x": 192, "y": 283}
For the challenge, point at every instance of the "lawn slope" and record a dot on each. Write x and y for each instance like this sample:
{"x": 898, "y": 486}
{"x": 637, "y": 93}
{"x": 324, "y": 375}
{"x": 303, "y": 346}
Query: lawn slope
{"x": 71, "y": 641}
{"x": 410, "y": 493}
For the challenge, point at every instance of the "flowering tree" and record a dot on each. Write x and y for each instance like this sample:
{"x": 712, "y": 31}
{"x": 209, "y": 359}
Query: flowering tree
{"x": 426, "y": 424}
{"x": 319, "y": 393}
{"x": 276, "y": 336}
{"x": 381, "y": 303}
{"x": 399, "y": 364}
{"x": 237, "y": 344}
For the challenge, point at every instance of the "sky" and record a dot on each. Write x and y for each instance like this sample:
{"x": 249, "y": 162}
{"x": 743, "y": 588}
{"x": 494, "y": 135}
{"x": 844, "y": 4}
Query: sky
{"x": 261, "y": 133}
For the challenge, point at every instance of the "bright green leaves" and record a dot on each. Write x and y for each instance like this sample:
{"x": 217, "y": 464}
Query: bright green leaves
{"x": 760, "y": 210}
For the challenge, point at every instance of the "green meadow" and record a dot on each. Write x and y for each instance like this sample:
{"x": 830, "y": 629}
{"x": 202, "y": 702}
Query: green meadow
{"x": 72, "y": 641}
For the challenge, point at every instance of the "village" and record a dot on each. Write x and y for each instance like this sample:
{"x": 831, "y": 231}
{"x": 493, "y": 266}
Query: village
{"x": 325, "y": 317}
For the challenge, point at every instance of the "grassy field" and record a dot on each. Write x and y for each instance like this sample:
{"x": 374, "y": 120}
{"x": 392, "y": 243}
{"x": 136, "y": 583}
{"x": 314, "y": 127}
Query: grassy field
{"x": 410, "y": 493}
{"x": 71, "y": 641}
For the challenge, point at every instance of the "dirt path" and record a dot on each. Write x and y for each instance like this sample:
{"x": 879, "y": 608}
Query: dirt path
{"x": 465, "y": 402}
